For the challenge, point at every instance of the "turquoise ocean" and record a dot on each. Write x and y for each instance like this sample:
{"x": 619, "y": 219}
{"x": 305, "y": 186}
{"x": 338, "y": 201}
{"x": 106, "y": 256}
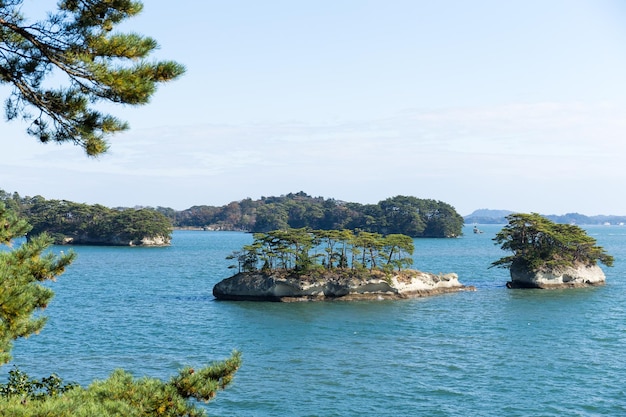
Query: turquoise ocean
{"x": 493, "y": 352}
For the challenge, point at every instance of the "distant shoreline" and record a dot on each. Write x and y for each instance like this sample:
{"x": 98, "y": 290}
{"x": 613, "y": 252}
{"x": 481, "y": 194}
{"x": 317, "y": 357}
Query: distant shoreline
{"x": 207, "y": 229}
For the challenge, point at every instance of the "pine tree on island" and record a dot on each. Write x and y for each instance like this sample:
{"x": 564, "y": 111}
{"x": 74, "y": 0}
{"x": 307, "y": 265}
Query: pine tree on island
{"x": 315, "y": 265}
{"x": 549, "y": 255}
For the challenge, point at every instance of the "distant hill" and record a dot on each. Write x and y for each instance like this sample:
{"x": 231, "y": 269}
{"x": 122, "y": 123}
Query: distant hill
{"x": 487, "y": 216}
{"x": 581, "y": 219}
{"x": 406, "y": 215}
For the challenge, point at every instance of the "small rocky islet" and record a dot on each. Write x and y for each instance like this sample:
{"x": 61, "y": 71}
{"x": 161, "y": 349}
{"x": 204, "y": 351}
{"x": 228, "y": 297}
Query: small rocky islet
{"x": 349, "y": 285}
{"x": 286, "y": 286}
{"x": 545, "y": 256}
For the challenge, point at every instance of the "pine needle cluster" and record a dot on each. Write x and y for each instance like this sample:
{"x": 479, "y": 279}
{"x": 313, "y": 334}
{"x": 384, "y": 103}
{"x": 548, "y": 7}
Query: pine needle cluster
{"x": 77, "y": 45}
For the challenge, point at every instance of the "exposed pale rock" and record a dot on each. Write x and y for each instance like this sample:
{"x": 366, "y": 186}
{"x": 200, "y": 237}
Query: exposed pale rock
{"x": 159, "y": 240}
{"x": 331, "y": 285}
{"x": 117, "y": 241}
{"x": 568, "y": 277}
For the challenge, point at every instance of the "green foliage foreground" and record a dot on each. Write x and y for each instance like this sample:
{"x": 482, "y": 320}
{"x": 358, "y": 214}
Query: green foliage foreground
{"x": 22, "y": 272}
{"x": 540, "y": 244}
{"x": 78, "y": 45}
{"x": 119, "y": 395}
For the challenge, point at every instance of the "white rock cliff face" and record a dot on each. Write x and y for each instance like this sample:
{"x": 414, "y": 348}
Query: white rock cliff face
{"x": 268, "y": 287}
{"x": 155, "y": 241}
{"x": 570, "y": 277}
{"x": 117, "y": 241}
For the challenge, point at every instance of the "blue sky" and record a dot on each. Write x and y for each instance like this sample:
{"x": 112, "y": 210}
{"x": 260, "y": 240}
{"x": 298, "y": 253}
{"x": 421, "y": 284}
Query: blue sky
{"x": 516, "y": 105}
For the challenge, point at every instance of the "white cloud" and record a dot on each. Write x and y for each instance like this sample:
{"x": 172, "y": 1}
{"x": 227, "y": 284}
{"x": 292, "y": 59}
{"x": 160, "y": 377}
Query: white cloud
{"x": 455, "y": 155}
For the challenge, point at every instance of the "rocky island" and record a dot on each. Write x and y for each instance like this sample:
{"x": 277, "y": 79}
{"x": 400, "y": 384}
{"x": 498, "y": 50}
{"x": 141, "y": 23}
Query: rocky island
{"x": 346, "y": 285}
{"x": 310, "y": 265}
{"x": 549, "y": 255}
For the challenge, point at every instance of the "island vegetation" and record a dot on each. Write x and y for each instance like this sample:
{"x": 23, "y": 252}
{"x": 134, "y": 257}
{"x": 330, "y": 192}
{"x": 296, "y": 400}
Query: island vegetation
{"x": 396, "y": 215}
{"x": 68, "y": 222}
{"x": 318, "y": 265}
{"x": 407, "y": 215}
{"x": 541, "y": 248}
{"x": 538, "y": 243}
{"x": 304, "y": 250}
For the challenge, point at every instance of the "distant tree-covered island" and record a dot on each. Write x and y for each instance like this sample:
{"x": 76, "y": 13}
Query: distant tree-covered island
{"x": 407, "y": 215}
{"x": 66, "y": 222}
{"x": 305, "y": 264}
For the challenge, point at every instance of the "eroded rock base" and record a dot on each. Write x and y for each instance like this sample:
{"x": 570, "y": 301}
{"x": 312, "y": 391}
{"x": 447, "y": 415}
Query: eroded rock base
{"x": 335, "y": 285}
{"x": 570, "y": 277}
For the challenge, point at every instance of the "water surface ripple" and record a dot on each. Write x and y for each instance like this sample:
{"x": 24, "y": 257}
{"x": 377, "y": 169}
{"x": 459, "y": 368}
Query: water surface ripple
{"x": 492, "y": 352}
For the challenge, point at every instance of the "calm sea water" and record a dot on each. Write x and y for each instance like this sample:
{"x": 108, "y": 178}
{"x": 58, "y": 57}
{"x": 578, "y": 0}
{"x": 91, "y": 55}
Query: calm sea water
{"x": 493, "y": 352}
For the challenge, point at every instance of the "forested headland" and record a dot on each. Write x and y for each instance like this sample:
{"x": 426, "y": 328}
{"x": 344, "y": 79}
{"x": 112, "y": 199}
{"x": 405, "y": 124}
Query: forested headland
{"x": 406, "y": 215}
{"x": 69, "y": 222}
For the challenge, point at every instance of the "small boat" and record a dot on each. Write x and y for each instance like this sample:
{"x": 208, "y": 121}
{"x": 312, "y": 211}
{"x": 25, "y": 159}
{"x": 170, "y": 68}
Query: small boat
{"x": 477, "y": 230}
